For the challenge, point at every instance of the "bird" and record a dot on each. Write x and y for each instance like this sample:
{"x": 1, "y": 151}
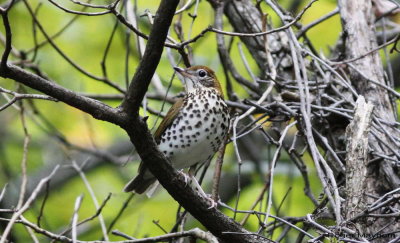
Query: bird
{"x": 192, "y": 130}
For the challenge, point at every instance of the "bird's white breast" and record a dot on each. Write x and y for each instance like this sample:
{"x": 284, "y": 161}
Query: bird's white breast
{"x": 197, "y": 131}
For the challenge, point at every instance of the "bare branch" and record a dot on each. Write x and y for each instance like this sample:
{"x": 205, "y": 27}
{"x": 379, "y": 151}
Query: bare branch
{"x": 151, "y": 57}
{"x": 93, "y": 107}
{"x": 26, "y": 205}
{"x": 357, "y": 157}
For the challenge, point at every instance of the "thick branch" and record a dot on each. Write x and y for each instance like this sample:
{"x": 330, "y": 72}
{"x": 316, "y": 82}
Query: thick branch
{"x": 93, "y": 107}
{"x": 359, "y": 38}
{"x": 357, "y": 19}
{"x": 151, "y": 57}
{"x": 6, "y": 53}
{"x": 357, "y": 158}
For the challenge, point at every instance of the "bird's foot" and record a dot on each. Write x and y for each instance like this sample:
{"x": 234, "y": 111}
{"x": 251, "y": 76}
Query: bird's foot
{"x": 185, "y": 176}
{"x": 198, "y": 188}
{"x": 213, "y": 203}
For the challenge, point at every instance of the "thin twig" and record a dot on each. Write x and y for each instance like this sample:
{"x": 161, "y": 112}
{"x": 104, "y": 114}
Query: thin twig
{"x": 93, "y": 196}
{"x": 75, "y": 216}
{"x": 27, "y": 204}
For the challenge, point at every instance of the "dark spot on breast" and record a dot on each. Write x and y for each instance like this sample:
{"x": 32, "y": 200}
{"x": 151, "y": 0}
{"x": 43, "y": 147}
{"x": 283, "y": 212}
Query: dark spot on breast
{"x": 189, "y": 127}
{"x": 198, "y": 124}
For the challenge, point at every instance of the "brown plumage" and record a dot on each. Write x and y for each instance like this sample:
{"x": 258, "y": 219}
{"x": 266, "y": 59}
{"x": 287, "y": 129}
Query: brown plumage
{"x": 193, "y": 128}
{"x": 140, "y": 184}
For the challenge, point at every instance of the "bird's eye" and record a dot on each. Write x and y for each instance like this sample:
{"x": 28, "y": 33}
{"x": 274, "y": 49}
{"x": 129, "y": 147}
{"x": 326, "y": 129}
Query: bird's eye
{"x": 202, "y": 73}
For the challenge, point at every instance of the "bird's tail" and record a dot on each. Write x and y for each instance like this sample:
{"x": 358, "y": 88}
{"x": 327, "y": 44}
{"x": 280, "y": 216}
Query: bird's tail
{"x": 139, "y": 184}
{"x": 152, "y": 188}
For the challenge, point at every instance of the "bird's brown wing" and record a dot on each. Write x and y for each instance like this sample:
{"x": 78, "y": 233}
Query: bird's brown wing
{"x": 168, "y": 119}
{"x": 139, "y": 183}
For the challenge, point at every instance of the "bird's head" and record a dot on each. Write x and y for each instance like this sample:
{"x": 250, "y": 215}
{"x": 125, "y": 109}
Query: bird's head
{"x": 197, "y": 77}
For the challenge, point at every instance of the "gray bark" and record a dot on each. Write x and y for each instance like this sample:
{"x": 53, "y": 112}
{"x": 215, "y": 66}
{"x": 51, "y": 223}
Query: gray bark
{"x": 357, "y": 159}
{"x": 358, "y": 24}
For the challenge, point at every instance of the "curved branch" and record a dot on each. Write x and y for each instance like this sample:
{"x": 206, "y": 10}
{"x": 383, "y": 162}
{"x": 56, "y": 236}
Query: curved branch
{"x": 7, "y": 50}
{"x": 93, "y": 107}
{"x": 151, "y": 57}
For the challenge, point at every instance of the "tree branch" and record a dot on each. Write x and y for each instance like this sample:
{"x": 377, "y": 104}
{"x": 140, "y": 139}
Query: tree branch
{"x": 93, "y": 107}
{"x": 359, "y": 37}
{"x": 357, "y": 158}
{"x": 151, "y": 57}
{"x": 7, "y": 50}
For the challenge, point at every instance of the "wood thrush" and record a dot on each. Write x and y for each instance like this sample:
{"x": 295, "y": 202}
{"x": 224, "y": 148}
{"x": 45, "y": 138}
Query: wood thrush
{"x": 194, "y": 127}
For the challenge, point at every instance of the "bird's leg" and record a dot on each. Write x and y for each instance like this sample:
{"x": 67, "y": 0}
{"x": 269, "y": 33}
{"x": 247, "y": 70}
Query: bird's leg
{"x": 186, "y": 177}
{"x": 198, "y": 188}
{"x": 196, "y": 184}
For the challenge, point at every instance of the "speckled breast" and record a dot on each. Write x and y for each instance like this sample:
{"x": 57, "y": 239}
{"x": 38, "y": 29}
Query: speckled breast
{"x": 198, "y": 130}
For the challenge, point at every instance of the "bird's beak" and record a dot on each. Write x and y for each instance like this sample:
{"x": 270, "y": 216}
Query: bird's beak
{"x": 181, "y": 71}
{"x": 186, "y": 78}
